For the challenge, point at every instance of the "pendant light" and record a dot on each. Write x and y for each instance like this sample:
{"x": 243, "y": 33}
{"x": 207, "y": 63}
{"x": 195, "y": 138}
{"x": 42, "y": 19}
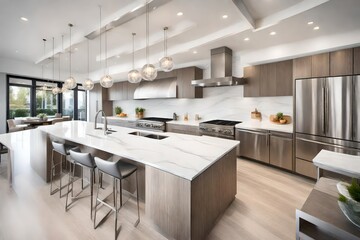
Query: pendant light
{"x": 106, "y": 81}
{"x": 134, "y": 76}
{"x": 44, "y": 87}
{"x": 88, "y": 83}
{"x": 55, "y": 90}
{"x": 148, "y": 72}
{"x": 70, "y": 83}
{"x": 166, "y": 63}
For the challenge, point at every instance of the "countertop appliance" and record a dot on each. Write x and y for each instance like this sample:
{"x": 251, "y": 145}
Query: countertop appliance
{"x": 218, "y": 128}
{"x": 327, "y": 116}
{"x": 153, "y": 123}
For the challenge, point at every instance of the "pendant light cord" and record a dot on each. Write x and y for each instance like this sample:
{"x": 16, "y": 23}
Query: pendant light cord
{"x": 133, "y": 50}
{"x": 53, "y": 52}
{"x": 165, "y": 41}
{"x": 147, "y": 32}
{"x": 100, "y": 39}
{"x": 88, "y": 58}
{"x": 106, "y": 68}
{"x": 70, "y": 25}
{"x": 42, "y": 65}
{"x": 62, "y": 46}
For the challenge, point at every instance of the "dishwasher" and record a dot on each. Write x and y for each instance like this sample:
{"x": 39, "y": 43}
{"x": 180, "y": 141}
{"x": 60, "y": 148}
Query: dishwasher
{"x": 254, "y": 144}
{"x": 281, "y": 150}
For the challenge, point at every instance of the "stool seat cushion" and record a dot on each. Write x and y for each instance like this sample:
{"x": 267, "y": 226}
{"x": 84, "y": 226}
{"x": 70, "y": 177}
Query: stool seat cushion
{"x": 85, "y": 159}
{"x": 64, "y": 148}
{"x": 119, "y": 169}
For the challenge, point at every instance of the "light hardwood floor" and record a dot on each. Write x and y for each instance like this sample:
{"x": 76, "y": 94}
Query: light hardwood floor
{"x": 264, "y": 208}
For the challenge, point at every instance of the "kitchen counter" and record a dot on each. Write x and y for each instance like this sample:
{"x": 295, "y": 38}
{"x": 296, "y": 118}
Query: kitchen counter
{"x": 265, "y": 125}
{"x": 345, "y": 164}
{"x": 129, "y": 118}
{"x": 181, "y": 177}
{"x": 185, "y": 156}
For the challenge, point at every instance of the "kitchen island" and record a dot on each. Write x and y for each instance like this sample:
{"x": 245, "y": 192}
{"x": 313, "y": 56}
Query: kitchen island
{"x": 189, "y": 181}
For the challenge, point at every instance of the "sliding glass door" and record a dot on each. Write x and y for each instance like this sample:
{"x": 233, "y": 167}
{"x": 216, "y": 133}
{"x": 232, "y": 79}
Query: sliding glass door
{"x": 19, "y": 101}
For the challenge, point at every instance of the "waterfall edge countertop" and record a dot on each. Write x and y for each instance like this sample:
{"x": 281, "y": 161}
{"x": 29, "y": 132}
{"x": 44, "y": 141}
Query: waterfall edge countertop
{"x": 182, "y": 155}
{"x": 265, "y": 125}
{"x": 342, "y": 163}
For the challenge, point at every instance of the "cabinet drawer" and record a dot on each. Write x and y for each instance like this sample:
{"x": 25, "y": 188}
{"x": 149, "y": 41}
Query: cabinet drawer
{"x": 305, "y": 168}
{"x": 184, "y": 129}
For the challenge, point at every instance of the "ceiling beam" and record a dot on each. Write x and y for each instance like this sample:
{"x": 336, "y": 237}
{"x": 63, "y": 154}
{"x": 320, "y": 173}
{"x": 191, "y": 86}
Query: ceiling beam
{"x": 245, "y": 13}
{"x": 277, "y": 17}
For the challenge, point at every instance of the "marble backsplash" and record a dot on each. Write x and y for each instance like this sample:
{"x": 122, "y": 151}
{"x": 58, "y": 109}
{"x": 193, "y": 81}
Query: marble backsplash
{"x": 217, "y": 103}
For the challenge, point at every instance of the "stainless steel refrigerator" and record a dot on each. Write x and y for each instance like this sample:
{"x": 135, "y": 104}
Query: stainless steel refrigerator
{"x": 327, "y": 116}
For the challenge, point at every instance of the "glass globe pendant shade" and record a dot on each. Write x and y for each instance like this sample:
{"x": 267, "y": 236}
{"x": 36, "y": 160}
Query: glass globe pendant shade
{"x": 166, "y": 64}
{"x": 70, "y": 83}
{"x": 149, "y": 72}
{"x": 56, "y": 90}
{"x": 88, "y": 84}
{"x": 106, "y": 81}
{"x": 64, "y": 89}
{"x": 134, "y": 76}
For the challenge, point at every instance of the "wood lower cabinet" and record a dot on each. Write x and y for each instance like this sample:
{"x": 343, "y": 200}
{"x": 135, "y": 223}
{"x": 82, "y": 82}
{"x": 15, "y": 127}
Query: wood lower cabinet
{"x": 341, "y": 62}
{"x": 357, "y": 60}
{"x": 184, "y": 129}
{"x": 305, "y": 168}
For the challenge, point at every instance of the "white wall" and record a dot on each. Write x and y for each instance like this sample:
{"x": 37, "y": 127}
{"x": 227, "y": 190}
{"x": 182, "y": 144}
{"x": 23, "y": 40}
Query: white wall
{"x": 218, "y": 102}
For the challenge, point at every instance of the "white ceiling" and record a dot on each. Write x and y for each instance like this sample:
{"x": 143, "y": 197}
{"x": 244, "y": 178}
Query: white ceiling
{"x": 199, "y": 29}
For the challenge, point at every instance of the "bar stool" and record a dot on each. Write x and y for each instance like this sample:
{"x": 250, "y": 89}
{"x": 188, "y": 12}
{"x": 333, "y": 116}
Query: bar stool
{"x": 3, "y": 150}
{"x": 84, "y": 160}
{"x": 62, "y": 149}
{"x": 117, "y": 170}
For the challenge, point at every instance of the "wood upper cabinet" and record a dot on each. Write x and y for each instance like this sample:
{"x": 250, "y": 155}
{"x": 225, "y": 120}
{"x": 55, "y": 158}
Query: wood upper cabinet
{"x": 98, "y": 101}
{"x": 284, "y": 78}
{"x": 252, "y": 86}
{"x": 119, "y": 91}
{"x": 357, "y": 60}
{"x": 268, "y": 79}
{"x": 341, "y": 62}
{"x": 184, "y": 77}
{"x": 273, "y": 79}
{"x": 302, "y": 67}
{"x": 131, "y": 90}
{"x": 320, "y": 65}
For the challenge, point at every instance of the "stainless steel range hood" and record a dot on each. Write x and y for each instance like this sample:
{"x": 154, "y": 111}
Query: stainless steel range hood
{"x": 221, "y": 70}
{"x": 162, "y": 88}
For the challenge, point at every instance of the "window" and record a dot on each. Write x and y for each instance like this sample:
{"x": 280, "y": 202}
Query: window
{"x": 46, "y": 102}
{"x": 27, "y": 97}
{"x": 19, "y": 101}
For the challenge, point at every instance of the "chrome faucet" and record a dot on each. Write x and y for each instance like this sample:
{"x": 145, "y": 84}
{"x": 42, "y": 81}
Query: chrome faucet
{"x": 105, "y": 123}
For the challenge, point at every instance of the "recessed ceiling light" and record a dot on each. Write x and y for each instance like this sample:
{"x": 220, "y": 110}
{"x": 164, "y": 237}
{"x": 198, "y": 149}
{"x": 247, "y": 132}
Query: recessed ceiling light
{"x": 310, "y": 23}
{"x": 246, "y": 39}
{"x": 180, "y": 13}
{"x": 225, "y": 16}
{"x": 117, "y": 56}
{"x": 24, "y": 19}
{"x": 273, "y": 33}
{"x": 116, "y": 19}
{"x": 316, "y": 28}
{"x": 194, "y": 52}
{"x": 17, "y": 51}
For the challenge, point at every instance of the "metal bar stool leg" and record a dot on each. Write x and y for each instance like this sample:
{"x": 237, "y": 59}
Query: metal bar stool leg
{"x": 121, "y": 202}
{"x": 137, "y": 199}
{"x": 51, "y": 172}
{"x": 71, "y": 182}
{"x": 92, "y": 171}
{"x": 115, "y": 205}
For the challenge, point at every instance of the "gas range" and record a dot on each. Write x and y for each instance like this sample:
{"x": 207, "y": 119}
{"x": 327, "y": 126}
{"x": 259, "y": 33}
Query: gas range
{"x": 153, "y": 123}
{"x": 219, "y": 128}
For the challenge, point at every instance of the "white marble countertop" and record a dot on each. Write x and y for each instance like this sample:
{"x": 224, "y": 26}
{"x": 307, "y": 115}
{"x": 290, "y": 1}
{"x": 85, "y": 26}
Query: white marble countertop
{"x": 183, "y": 155}
{"x": 265, "y": 125}
{"x": 188, "y": 123}
{"x": 345, "y": 164}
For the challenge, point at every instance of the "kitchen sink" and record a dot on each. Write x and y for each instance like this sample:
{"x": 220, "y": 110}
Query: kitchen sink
{"x": 148, "y": 135}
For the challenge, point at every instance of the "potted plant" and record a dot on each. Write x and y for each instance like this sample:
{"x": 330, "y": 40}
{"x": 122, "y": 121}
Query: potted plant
{"x": 139, "y": 111}
{"x": 118, "y": 110}
{"x": 42, "y": 116}
{"x": 280, "y": 117}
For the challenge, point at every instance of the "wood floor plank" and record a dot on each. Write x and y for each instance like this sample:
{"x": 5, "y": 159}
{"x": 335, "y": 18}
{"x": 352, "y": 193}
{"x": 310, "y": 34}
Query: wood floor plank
{"x": 264, "y": 208}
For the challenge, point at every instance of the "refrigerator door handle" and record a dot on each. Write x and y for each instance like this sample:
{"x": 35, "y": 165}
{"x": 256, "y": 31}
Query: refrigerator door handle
{"x": 353, "y": 107}
{"x": 324, "y": 109}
